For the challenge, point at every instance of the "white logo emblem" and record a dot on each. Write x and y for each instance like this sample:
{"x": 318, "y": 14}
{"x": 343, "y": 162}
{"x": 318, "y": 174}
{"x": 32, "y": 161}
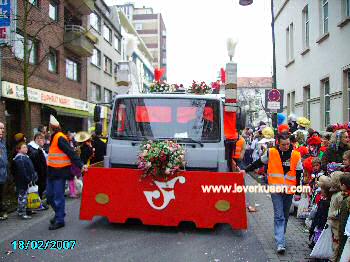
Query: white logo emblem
{"x": 168, "y": 195}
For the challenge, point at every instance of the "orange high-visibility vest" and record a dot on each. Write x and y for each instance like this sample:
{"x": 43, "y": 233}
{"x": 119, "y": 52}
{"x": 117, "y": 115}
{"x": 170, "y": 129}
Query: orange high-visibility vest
{"x": 275, "y": 170}
{"x": 239, "y": 147}
{"x": 57, "y": 158}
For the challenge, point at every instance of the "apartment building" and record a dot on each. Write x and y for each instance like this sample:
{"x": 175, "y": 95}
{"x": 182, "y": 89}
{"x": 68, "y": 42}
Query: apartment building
{"x": 313, "y": 58}
{"x": 151, "y": 28}
{"x": 59, "y": 44}
{"x": 104, "y": 63}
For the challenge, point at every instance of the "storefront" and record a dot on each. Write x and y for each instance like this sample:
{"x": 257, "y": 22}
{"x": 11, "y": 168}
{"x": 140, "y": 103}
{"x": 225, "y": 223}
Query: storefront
{"x": 72, "y": 113}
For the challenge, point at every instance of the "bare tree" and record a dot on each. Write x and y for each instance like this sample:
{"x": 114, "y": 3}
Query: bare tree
{"x": 33, "y": 26}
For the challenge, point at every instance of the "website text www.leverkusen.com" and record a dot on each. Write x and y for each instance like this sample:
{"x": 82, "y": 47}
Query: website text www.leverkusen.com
{"x": 254, "y": 189}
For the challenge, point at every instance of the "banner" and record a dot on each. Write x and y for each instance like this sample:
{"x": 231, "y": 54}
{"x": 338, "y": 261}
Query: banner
{"x": 15, "y": 91}
{"x": 6, "y": 23}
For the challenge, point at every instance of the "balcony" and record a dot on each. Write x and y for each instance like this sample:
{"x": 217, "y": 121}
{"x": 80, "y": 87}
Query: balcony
{"x": 78, "y": 41}
{"x": 85, "y": 7}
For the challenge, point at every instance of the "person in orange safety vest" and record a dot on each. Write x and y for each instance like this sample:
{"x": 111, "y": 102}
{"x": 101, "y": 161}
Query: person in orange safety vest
{"x": 284, "y": 168}
{"x": 238, "y": 152}
{"x": 59, "y": 161}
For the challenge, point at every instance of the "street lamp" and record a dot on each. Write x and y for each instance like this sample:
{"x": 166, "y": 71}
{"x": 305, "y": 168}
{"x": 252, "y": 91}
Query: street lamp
{"x": 274, "y": 85}
{"x": 245, "y": 2}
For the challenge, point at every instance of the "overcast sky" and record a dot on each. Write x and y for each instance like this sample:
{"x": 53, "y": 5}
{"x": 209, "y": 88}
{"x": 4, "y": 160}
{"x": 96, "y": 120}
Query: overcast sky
{"x": 197, "y": 32}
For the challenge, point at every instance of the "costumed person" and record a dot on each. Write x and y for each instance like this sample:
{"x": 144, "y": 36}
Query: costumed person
{"x": 86, "y": 151}
{"x": 334, "y": 153}
{"x": 344, "y": 220}
{"x": 303, "y": 125}
{"x": 346, "y": 161}
{"x": 320, "y": 219}
{"x": 283, "y": 129}
{"x": 284, "y": 168}
{"x": 292, "y": 122}
{"x": 267, "y": 142}
{"x": 3, "y": 171}
{"x": 325, "y": 138}
{"x": 60, "y": 159}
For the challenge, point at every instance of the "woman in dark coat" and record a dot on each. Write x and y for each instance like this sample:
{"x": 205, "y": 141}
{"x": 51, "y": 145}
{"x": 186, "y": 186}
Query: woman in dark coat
{"x": 37, "y": 154}
{"x": 334, "y": 153}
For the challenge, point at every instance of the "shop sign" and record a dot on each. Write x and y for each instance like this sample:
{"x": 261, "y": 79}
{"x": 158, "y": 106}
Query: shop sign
{"x": 14, "y": 91}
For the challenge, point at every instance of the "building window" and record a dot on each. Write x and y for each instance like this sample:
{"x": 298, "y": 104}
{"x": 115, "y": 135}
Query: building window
{"x": 327, "y": 102}
{"x": 346, "y": 6}
{"x": 292, "y": 101}
{"x": 306, "y": 27}
{"x": 108, "y": 65}
{"x": 117, "y": 43}
{"x": 72, "y": 70}
{"x": 53, "y": 10}
{"x": 32, "y": 47}
{"x": 307, "y": 102}
{"x": 96, "y": 93}
{"x": 138, "y": 26}
{"x": 163, "y": 33}
{"x": 96, "y": 57}
{"x": 288, "y": 104}
{"x": 34, "y": 2}
{"x": 108, "y": 96}
{"x": 289, "y": 43}
{"x": 95, "y": 22}
{"x": 107, "y": 33}
{"x": 116, "y": 68}
{"x": 324, "y": 9}
{"x": 53, "y": 61}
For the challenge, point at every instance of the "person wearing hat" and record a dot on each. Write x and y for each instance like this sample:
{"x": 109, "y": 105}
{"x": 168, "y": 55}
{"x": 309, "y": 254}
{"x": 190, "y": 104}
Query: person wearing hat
{"x": 303, "y": 125}
{"x": 284, "y": 168}
{"x": 59, "y": 161}
{"x": 86, "y": 151}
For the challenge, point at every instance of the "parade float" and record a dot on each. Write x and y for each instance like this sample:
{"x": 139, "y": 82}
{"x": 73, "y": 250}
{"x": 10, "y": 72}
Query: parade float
{"x": 166, "y": 149}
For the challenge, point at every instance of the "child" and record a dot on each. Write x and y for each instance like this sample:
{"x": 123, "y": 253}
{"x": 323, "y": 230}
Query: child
{"x": 316, "y": 173}
{"x": 346, "y": 161}
{"x": 334, "y": 210}
{"x": 344, "y": 224}
{"x": 24, "y": 175}
{"x": 320, "y": 219}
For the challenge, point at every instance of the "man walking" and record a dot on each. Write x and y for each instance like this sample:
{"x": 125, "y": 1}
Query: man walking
{"x": 3, "y": 171}
{"x": 284, "y": 169}
{"x": 60, "y": 158}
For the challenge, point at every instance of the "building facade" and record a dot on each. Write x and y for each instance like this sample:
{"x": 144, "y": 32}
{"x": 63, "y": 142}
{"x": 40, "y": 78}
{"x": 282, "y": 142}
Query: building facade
{"x": 103, "y": 65}
{"x": 60, "y": 44}
{"x": 313, "y": 58}
{"x": 134, "y": 49}
{"x": 251, "y": 98}
{"x": 151, "y": 28}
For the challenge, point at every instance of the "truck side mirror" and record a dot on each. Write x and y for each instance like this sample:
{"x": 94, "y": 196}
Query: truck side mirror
{"x": 97, "y": 114}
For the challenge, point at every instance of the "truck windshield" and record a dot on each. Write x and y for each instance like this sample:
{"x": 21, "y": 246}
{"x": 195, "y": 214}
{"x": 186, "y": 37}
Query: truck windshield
{"x": 170, "y": 118}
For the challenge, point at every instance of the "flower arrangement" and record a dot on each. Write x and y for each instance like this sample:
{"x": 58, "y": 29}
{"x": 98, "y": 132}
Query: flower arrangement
{"x": 159, "y": 87}
{"x": 161, "y": 158}
{"x": 199, "y": 88}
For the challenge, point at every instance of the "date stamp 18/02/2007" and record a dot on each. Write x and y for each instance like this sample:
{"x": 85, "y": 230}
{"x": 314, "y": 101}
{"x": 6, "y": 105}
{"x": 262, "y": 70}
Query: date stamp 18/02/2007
{"x": 43, "y": 244}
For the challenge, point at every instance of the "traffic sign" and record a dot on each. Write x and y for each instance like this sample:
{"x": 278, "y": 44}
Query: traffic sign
{"x": 274, "y": 100}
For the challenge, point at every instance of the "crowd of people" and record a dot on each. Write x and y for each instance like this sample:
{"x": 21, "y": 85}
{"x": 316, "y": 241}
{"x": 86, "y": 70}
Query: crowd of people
{"x": 296, "y": 154}
{"x": 53, "y": 162}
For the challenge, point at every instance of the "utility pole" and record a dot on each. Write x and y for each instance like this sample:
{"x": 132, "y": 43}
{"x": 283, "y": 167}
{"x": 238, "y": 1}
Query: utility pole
{"x": 274, "y": 84}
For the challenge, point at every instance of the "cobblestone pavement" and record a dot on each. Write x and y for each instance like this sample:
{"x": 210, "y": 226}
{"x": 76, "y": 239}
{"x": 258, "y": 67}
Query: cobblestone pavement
{"x": 262, "y": 224}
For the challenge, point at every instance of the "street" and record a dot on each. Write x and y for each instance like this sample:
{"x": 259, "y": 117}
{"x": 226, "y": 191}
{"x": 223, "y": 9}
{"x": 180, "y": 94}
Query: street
{"x": 101, "y": 241}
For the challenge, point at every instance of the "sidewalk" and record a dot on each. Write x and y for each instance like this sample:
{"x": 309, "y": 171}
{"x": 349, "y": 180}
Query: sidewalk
{"x": 262, "y": 224}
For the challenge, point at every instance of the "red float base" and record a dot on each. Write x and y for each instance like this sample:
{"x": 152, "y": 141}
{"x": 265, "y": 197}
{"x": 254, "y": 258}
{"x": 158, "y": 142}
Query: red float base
{"x": 120, "y": 194}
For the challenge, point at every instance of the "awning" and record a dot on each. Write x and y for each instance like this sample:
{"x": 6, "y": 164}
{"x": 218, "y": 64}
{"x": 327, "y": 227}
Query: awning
{"x": 62, "y": 111}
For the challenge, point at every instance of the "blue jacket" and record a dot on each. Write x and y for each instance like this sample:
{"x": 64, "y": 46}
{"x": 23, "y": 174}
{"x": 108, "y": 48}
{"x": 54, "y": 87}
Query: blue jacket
{"x": 3, "y": 162}
{"x": 24, "y": 171}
